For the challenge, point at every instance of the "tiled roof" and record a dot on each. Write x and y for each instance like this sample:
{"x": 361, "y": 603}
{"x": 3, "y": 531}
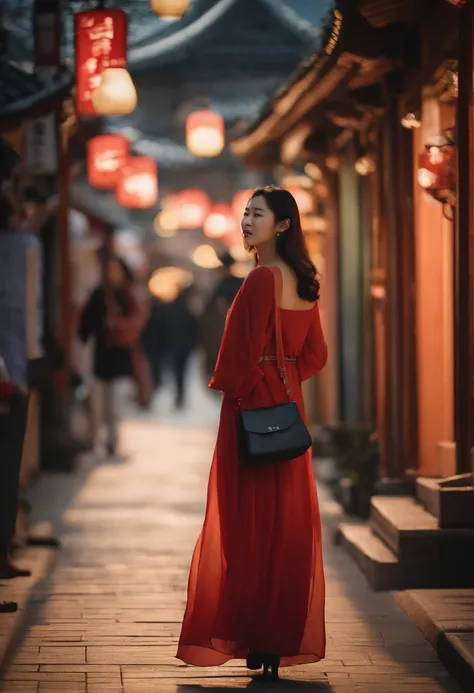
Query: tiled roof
{"x": 21, "y": 90}
{"x": 145, "y": 28}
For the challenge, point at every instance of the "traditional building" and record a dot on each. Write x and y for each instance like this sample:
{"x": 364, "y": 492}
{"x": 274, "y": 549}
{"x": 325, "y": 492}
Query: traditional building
{"x": 389, "y": 94}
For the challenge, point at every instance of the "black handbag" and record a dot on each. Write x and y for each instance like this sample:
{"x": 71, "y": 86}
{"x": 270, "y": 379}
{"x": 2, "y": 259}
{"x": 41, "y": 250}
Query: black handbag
{"x": 268, "y": 435}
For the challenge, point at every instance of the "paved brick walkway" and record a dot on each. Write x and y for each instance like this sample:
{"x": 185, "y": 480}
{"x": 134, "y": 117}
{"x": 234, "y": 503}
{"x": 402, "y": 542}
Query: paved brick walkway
{"x": 107, "y": 619}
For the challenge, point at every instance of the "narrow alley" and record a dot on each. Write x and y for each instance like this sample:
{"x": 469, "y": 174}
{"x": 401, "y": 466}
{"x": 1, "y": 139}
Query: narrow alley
{"x": 107, "y": 618}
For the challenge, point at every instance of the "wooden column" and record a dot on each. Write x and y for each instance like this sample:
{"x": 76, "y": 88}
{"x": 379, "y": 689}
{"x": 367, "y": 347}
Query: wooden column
{"x": 407, "y": 298}
{"x": 393, "y": 318}
{"x": 64, "y": 250}
{"x": 463, "y": 250}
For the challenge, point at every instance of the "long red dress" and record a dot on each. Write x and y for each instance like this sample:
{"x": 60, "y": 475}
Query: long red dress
{"x": 257, "y": 582}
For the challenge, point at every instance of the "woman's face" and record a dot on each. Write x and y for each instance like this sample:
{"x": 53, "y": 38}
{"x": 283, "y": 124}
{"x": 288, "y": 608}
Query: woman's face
{"x": 114, "y": 275}
{"x": 258, "y": 223}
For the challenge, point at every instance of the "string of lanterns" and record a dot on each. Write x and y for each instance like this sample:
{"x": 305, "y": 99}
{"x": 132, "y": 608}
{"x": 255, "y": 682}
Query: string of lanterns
{"x": 104, "y": 87}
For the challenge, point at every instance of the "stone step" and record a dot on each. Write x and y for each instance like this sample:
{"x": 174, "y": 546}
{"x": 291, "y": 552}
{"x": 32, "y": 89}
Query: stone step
{"x": 403, "y": 524}
{"x": 374, "y": 558}
{"x": 441, "y": 556}
{"x": 451, "y": 501}
{"x": 446, "y": 619}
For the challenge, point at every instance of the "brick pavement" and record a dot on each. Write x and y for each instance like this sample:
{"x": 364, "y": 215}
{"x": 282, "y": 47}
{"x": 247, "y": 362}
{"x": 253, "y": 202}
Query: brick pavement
{"x": 106, "y": 620}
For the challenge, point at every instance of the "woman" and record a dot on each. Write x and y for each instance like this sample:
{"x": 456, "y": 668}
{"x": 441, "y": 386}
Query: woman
{"x": 256, "y": 586}
{"x": 116, "y": 319}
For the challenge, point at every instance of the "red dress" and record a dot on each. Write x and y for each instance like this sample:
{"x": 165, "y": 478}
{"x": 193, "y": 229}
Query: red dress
{"x": 257, "y": 582}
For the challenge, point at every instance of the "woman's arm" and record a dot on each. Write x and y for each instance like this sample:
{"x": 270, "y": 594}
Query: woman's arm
{"x": 237, "y": 371}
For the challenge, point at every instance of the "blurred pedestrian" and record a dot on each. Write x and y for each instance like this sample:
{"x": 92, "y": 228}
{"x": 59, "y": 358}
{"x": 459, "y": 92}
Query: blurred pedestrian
{"x": 215, "y": 312}
{"x": 182, "y": 335}
{"x": 155, "y": 340}
{"x": 116, "y": 318}
{"x": 15, "y": 248}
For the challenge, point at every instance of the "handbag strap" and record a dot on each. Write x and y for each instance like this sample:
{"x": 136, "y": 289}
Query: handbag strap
{"x": 280, "y": 354}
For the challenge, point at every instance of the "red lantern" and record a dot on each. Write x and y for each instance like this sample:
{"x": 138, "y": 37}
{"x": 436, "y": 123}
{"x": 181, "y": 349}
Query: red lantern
{"x": 194, "y": 206}
{"x": 240, "y": 202}
{"x": 137, "y": 186}
{"x": 436, "y": 171}
{"x": 101, "y": 42}
{"x": 220, "y": 221}
{"x": 106, "y": 155}
{"x": 457, "y": 3}
{"x": 205, "y": 133}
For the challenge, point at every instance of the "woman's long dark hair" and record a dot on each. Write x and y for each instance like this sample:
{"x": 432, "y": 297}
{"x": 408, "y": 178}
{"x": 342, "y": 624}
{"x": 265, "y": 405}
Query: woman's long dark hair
{"x": 290, "y": 244}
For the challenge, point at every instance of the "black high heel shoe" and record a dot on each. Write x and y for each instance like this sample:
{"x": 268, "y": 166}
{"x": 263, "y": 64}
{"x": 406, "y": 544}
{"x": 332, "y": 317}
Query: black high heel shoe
{"x": 271, "y": 664}
{"x": 255, "y": 661}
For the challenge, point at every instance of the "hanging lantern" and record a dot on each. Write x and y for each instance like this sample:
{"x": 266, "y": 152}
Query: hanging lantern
{"x": 240, "y": 202}
{"x": 220, "y": 221}
{"x": 116, "y": 93}
{"x": 100, "y": 44}
{"x": 205, "y": 133}
{"x": 194, "y": 207}
{"x": 457, "y": 3}
{"x": 304, "y": 199}
{"x": 437, "y": 170}
{"x": 137, "y": 186}
{"x": 365, "y": 165}
{"x": 170, "y": 9}
{"x": 106, "y": 155}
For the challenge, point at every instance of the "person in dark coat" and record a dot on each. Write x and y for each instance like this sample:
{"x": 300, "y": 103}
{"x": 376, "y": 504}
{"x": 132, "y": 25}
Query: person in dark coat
{"x": 182, "y": 335}
{"x": 215, "y": 312}
{"x": 112, "y": 356}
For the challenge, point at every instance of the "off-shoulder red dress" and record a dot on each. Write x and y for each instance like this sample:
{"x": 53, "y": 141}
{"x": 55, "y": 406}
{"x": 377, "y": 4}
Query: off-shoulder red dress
{"x": 257, "y": 582}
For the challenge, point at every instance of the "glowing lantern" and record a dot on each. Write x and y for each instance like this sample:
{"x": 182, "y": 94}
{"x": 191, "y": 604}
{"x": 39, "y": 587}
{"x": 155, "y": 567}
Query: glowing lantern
{"x": 166, "y": 222}
{"x": 220, "y": 222}
{"x": 116, "y": 93}
{"x": 106, "y": 155}
{"x": 137, "y": 185}
{"x": 205, "y": 133}
{"x": 457, "y": 3}
{"x": 303, "y": 198}
{"x": 436, "y": 171}
{"x": 170, "y": 9}
{"x": 240, "y": 202}
{"x": 194, "y": 206}
{"x": 100, "y": 44}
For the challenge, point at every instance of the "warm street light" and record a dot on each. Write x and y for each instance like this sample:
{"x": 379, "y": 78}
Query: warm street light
{"x": 205, "y": 256}
{"x": 205, "y": 133}
{"x": 220, "y": 221}
{"x": 116, "y": 93}
{"x": 170, "y": 9}
{"x": 106, "y": 155}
